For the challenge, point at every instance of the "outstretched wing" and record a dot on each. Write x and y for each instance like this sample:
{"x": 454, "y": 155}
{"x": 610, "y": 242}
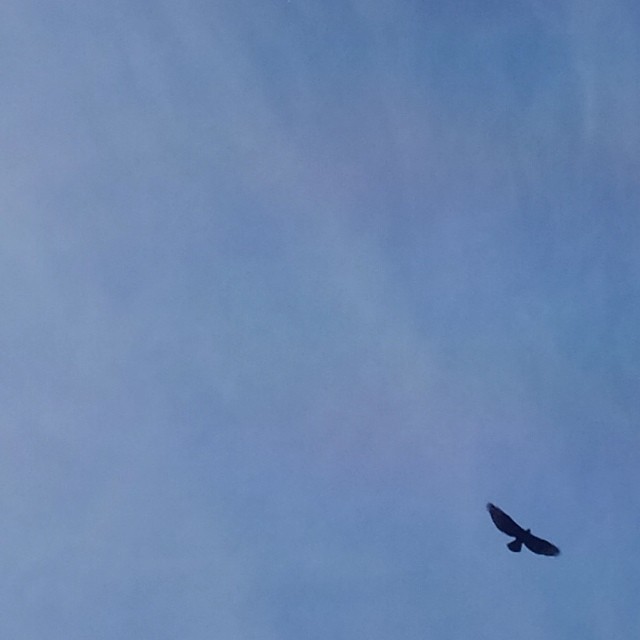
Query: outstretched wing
{"x": 540, "y": 546}
{"x": 506, "y": 524}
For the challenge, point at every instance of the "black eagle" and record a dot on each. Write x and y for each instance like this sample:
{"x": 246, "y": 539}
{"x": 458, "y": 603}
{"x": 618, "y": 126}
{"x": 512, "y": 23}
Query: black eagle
{"x": 522, "y": 536}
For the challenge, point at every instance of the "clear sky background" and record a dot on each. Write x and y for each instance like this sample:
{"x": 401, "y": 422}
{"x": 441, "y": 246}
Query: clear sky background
{"x": 290, "y": 290}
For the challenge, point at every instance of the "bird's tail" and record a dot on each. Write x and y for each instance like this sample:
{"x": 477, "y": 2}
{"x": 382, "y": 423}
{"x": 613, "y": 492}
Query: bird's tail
{"x": 515, "y": 545}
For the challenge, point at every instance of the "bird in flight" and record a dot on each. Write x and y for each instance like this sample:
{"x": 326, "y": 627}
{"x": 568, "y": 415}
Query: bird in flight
{"x": 522, "y": 536}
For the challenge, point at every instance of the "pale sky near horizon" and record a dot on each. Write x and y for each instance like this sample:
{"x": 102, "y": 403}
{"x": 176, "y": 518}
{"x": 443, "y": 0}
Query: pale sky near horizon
{"x": 290, "y": 290}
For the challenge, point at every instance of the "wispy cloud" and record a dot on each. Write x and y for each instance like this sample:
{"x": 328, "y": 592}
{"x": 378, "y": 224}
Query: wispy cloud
{"x": 290, "y": 291}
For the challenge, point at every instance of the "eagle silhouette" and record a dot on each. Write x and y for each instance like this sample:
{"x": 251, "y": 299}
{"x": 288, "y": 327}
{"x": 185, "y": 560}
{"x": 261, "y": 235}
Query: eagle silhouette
{"x": 522, "y": 536}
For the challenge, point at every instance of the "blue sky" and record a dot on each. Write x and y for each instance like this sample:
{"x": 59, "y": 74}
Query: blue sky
{"x": 291, "y": 290}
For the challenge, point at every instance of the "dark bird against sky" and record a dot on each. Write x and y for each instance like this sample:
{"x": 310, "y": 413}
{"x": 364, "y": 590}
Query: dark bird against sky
{"x": 522, "y": 536}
